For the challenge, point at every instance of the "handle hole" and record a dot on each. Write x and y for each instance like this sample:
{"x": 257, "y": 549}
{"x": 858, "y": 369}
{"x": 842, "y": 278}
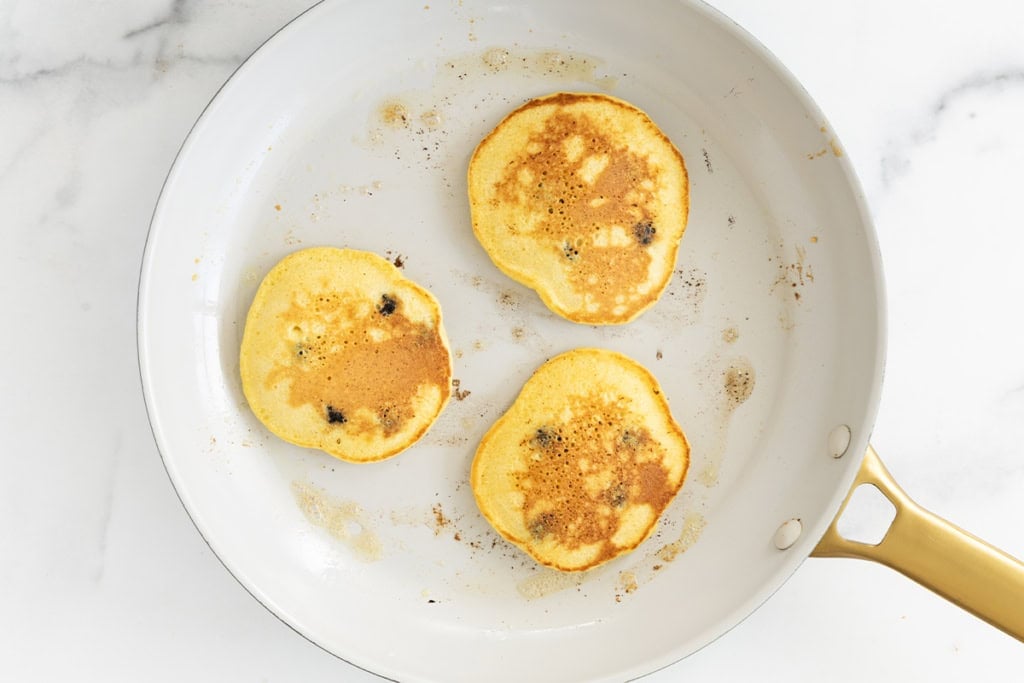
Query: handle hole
{"x": 867, "y": 516}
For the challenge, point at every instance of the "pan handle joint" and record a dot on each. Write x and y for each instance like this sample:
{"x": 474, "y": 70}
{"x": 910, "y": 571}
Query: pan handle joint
{"x": 935, "y": 553}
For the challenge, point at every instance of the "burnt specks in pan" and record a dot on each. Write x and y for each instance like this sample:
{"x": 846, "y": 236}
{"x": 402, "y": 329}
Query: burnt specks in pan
{"x": 459, "y": 393}
{"x": 397, "y": 259}
{"x": 707, "y": 161}
{"x": 335, "y": 416}
{"x": 388, "y": 305}
{"x": 644, "y": 232}
{"x": 796, "y": 275}
{"x": 694, "y": 279}
{"x": 509, "y": 300}
{"x": 440, "y": 520}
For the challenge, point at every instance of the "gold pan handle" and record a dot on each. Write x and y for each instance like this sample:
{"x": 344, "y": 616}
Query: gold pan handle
{"x": 938, "y": 555}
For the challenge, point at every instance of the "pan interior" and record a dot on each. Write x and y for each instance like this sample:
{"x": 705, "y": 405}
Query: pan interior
{"x": 767, "y": 338}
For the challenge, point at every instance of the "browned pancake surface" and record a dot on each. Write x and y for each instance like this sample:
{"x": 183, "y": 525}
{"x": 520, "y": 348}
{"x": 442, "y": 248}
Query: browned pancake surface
{"x": 584, "y": 199}
{"x": 582, "y": 465}
{"x": 343, "y": 353}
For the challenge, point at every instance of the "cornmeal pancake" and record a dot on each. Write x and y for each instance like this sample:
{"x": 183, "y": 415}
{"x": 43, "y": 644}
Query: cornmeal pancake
{"x": 582, "y": 465}
{"x": 582, "y": 198}
{"x": 343, "y": 353}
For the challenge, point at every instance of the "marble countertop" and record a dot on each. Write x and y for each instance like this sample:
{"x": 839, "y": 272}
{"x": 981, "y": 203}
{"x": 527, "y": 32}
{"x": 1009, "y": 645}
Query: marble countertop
{"x": 104, "y": 577}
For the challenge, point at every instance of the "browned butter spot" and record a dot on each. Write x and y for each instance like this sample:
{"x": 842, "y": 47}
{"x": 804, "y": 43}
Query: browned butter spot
{"x": 394, "y": 114}
{"x": 693, "y": 525}
{"x": 739, "y": 382}
{"x": 440, "y": 520}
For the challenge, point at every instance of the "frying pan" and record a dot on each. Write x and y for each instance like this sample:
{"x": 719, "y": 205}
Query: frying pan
{"x": 330, "y": 135}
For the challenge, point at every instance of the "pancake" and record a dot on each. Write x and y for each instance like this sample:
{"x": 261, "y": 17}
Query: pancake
{"x": 583, "y": 464}
{"x": 582, "y": 198}
{"x": 343, "y": 353}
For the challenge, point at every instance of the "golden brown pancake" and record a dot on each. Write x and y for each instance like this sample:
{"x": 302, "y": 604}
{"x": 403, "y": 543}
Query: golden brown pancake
{"x": 343, "y": 353}
{"x": 582, "y": 465}
{"x": 582, "y": 198}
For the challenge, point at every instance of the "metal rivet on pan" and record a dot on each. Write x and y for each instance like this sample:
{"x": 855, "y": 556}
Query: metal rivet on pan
{"x": 839, "y": 441}
{"x": 787, "y": 533}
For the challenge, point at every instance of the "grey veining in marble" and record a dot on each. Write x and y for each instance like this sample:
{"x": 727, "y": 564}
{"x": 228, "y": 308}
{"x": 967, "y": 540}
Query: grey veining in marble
{"x": 103, "y": 576}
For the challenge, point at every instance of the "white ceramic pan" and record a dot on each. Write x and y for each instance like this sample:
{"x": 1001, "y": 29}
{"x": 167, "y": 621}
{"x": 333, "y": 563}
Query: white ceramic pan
{"x": 353, "y": 127}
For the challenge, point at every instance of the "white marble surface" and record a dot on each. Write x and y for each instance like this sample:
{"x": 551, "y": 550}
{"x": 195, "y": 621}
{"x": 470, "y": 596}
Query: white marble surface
{"x": 103, "y": 576}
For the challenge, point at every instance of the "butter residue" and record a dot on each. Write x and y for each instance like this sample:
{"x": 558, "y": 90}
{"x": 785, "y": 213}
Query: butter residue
{"x": 342, "y": 519}
{"x": 548, "y": 581}
{"x": 693, "y": 525}
{"x": 736, "y": 383}
{"x": 550, "y": 64}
